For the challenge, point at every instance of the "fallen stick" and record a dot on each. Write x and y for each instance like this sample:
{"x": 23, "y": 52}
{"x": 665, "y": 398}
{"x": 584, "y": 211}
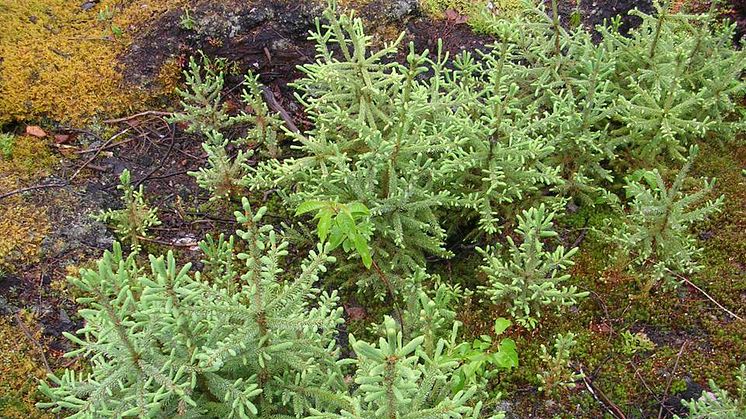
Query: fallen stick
{"x": 670, "y": 379}
{"x": 100, "y": 149}
{"x": 601, "y": 398}
{"x": 137, "y": 115}
{"x": 117, "y": 144}
{"x": 163, "y": 161}
{"x": 275, "y": 105}
{"x": 36, "y": 344}
{"x": 707, "y": 295}
{"x": 32, "y": 188}
{"x": 167, "y": 243}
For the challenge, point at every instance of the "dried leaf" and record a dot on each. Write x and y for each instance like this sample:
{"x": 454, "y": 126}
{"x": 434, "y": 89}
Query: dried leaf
{"x": 455, "y": 17}
{"x": 35, "y": 131}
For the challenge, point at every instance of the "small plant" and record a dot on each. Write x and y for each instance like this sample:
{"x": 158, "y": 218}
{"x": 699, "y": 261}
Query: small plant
{"x": 165, "y": 343}
{"x": 531, "y": 277}
{"x": 718, "y": 403}
{"x": 482, "y": 359}
{"x": 397, "y": 379}
{"x": 223, "y": 175}
{"x": 204, "y": 111}
{"x": 637, "y": 342}
{"x": 343, "y": 224}
{"x": 431, "y": 311}
{"x": 135, "y": 219}
{"x": 186, "y": 21}
{"x": 657, "y": 229}
{"x": 558, "y": 374}
{"x": 265, "y": 126}
{"x": 105, "y": 14}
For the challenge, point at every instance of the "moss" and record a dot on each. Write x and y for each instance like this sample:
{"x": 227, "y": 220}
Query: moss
{"x": 20, "y": 368}
{"x": 61, "y": 62}
{"x": 57, "y": 61}
{"x": 715, "y": 343}
{"x": 23, "y": 226}
{"x": 169, "y": 76}
{"x": 144, "y": 12}
{"x": 469, "y": 8}
{"x": 26, "y": 158}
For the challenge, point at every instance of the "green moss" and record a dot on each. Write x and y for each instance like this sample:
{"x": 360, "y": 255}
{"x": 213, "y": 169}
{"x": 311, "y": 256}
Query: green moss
{"x": 7, "y": 141}
{"x": 715, "y": 343}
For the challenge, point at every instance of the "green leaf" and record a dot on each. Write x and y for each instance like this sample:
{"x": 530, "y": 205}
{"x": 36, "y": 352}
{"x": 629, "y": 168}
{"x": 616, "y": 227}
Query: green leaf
{"x": 507, "y": 356}
{"x": 336, "y": 237}
{"x": 325, "y": 223}
{"x": 361, "y": 245}
{"x": 501, "y": 324}
{"x": 309, "y": 206}
{"x": 357, "y": 208}
{"x": 347, "y": 223}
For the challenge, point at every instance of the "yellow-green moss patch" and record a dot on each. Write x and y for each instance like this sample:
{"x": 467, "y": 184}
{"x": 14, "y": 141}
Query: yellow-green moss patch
{"x": 21, "y": 366}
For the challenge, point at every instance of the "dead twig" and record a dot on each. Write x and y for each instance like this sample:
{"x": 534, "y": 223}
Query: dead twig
{"x": 163, "y": 161}
{"x": 137, "y": 115}
{"x": 581, "y": 237}
{"x": 706, "y": 295}
{"x": 37, "y": 345}
{"x": 602, "y": 398}
{"x": 649, "y": 390}
{"x": 670, "y": 378}
{"x": 275, "y": 105}
{"x": 100, "y": 149}
{"x": 117, "y": 144}
{"x": 32, "y": 188}
{"x": 168, "y": 175}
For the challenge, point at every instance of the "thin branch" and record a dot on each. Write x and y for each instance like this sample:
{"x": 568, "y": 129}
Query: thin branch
{"x": 117, "y": 144}
{"x": 137, "y": 115}
{"x": 706, "y": 295}
{"x": 168, "y": 175}
{"x": 275, "y": 105}
{"x": 37, "y": 345}
{"x": 649, "y": 390}
{"x": 163, "y": 161}
{"x": 601, "y": 398}
{"x": 670, "y": 378}
{"x": 100, "y": 149}
{"x": 167, "y": 243}
{"x": 581, "y": 237}
{"x": 32, "y": 188}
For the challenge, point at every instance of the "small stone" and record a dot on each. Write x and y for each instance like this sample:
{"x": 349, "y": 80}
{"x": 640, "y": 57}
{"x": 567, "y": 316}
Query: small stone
{"x": 88, "y": 5}
{"x": 400, "y": 9}
{"x": 64, "y": 318}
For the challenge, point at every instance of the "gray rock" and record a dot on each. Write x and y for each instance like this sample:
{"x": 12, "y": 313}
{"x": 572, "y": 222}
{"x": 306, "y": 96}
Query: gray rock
{"x": 88, "y": 5}
{"x": 399, "y": 9}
